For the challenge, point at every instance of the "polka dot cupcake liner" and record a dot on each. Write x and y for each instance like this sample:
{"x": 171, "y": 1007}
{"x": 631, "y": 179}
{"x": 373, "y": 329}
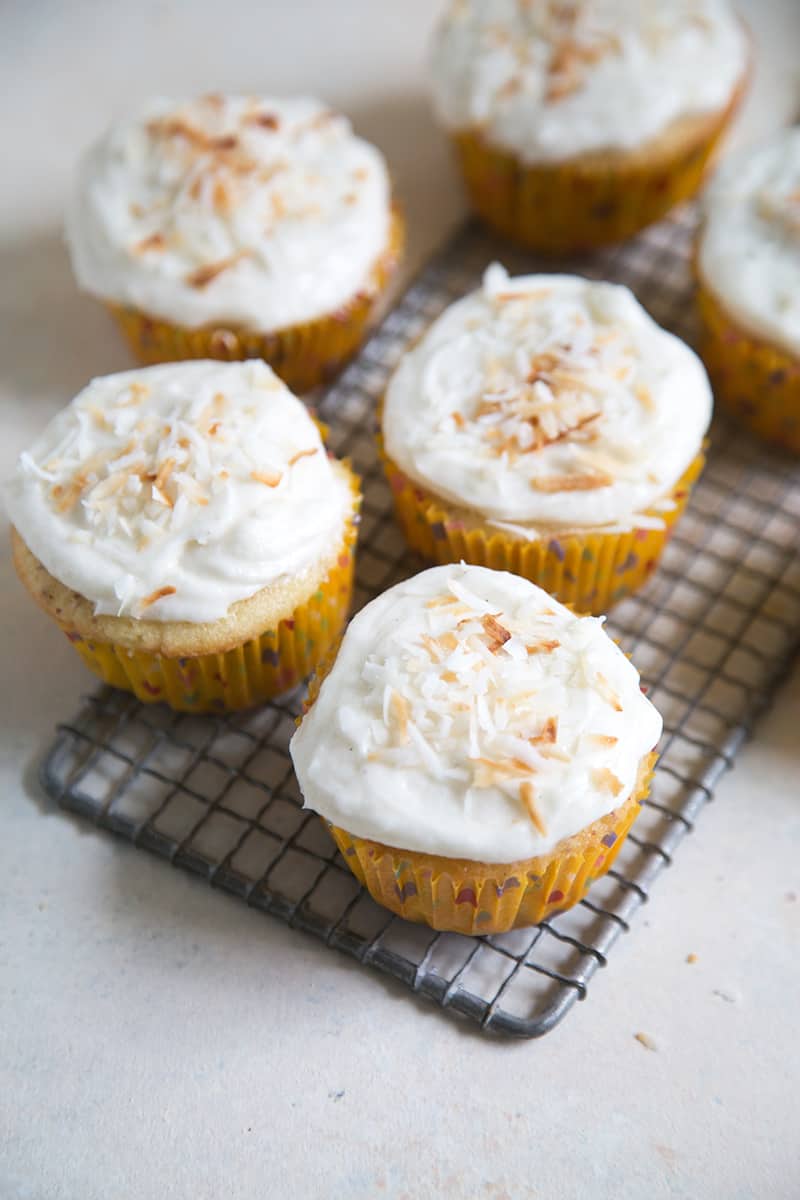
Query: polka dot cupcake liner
{"x": 303, "y": 355}
{"x": 758, "y": 383}
{"x": 591, "y": 572}
{"x": 564, "y": 207}
{"x": 257, "y": 670}
{"x": 459, "y": 896}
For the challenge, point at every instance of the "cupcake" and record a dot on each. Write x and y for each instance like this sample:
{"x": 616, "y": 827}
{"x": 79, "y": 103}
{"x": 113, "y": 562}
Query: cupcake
{"x": 184, "y": 527}
{"x": 237, "y": 227}
{"x": 546, "y": 425}
{"x": 478, "y": 751}
{"x": 748, "y": 268}
{"x": 578, "y": 123}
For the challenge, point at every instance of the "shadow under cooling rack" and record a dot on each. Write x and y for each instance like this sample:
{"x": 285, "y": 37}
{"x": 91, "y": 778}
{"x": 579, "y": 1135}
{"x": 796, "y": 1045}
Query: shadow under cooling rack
{"x": 712, "y": 634}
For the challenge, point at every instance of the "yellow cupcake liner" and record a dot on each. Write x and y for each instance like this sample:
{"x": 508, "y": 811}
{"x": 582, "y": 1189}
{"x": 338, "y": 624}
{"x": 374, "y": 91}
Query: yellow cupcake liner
{"x": 258, "y": 670}
{"x": 459, "y": 896}
{"x": 303, "y": 355}
{"x": 591, "y": 572}
{"x": 758, "y": 383}
{"x": 560, "y": 208}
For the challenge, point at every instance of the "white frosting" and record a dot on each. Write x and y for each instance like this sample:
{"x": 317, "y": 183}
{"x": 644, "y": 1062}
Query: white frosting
{"x": 430, "y": 733}
{"x": 547, "y": 400}
{"x": 549, "y": 81}
{"x": 279, "y": 196}
{"x": 191, "y": 477}
{"x": 750, "y": 244}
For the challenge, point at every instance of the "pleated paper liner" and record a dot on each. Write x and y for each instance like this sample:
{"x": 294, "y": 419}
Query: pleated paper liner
{"x": 257, "y": 670}
{"x": 303, "y": 355}
{"x": 758, "y": 383}
{"x": 459, "y": 896}
{"x": 588, "y": 571}
{"x": 586, "y": 202}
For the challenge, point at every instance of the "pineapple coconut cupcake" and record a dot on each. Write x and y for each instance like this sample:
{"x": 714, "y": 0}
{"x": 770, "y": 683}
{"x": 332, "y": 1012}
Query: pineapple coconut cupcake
{"x": 478, "y": 751}
{"x": 748, "y": 270}
{"x": 184, "y": 527}
{"x": 547, "y": 426}
{"x": 237, "y": 227}
{"x": 578, "y": 122}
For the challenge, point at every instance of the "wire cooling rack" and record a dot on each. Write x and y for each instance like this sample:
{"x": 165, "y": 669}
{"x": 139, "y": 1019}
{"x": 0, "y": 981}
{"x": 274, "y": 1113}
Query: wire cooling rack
{"x": 712, "y": 634}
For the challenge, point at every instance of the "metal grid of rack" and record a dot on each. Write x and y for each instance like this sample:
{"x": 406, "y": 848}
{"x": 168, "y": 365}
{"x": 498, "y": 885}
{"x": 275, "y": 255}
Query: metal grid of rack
{"x": 712, "y": 634}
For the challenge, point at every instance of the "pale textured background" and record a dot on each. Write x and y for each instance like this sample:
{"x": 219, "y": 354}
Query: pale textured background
{"x": 158, "y": 1039}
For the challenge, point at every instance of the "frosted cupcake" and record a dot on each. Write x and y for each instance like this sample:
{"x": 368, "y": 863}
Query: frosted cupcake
{"x": 748, "y": 265}
{"x": 479, "y": 752}
{"x": 184, "y": 527}
{"x": 237, "y": 227}
{"x": 546, "y": 425}
{"x": 578, "y": 123}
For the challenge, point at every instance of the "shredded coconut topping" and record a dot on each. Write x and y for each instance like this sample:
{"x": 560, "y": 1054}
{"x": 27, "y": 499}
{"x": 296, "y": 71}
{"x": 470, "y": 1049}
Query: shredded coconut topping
{"x": 442, "y": 686}
{"x": 239, "y": 208}
{"x": 178, "y": 489}
{"x": 552, "y": 79}
{"x": 749, "y": 250}
{"x": 547, "y": 399}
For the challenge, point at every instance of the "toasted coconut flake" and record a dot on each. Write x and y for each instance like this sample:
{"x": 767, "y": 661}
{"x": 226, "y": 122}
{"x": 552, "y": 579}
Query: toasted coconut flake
{"x": 606, "y": 781}
{"x": 604, "y": 740}
{"x": 548, "y": 734}
{"x": 203, "y": 276}
{"x": 586, "y": 482}
{"x": 269, "y": 478}
{"x": 606, "y": 691}
{"x": 303, "y": 454}
{"x": 262, "y": 120}
{"x": 399, "y": 710}
{"x": 553, "y": 753}
{"x": 156, "y": 241}
{"x": 432, "y": 646}
{"x": 496, "y": 634}
{"x": 449, "y": 677}
{"x": 67, "y": 497}
{"x": 164, "y": 472}
{"x": 644, "y": 396}
{"x": 544, "y": 647}
{"x": 528, "y": 798}
{"x": 221, "y": 196}
{"x": 490, "y": 771}
{"x": 159, "y": 594}
{"x": 161, "y": 497}
{"x": 521, "y": 294}
{"x": 448, "y": 641}
{"x": 441, "y": 601}
{"x": 458, "y": 419}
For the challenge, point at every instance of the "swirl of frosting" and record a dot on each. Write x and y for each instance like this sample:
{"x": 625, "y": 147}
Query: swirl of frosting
{"x": 749, "y": 252}
{"x": 554, "y": 80}
{"x": 174, "y": 491}
{"x": 254, "y": 211}
{"x": 469, "y": 714}
{"x": 547, "y": 401}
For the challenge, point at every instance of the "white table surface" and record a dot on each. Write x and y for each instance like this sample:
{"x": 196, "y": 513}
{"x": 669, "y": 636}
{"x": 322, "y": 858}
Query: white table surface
{"x": 158, "y": 1039}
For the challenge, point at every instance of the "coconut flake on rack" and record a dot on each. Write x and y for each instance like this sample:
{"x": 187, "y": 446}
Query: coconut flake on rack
{"x": 470, "y": 714}
{"x": 547, "y": 401}
{"x": 178, "y": 490}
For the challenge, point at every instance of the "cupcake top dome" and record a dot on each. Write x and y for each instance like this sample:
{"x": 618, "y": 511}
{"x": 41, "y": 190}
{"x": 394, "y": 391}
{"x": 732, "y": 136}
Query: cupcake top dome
{"x": 749, "y": 252}
{"x": 256, "y": 211}
{"x": 547, "y": 401}
{"x": 553, "y": 79}
{"x": 469, "y": 714}
{"x": 172, "y": 492}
